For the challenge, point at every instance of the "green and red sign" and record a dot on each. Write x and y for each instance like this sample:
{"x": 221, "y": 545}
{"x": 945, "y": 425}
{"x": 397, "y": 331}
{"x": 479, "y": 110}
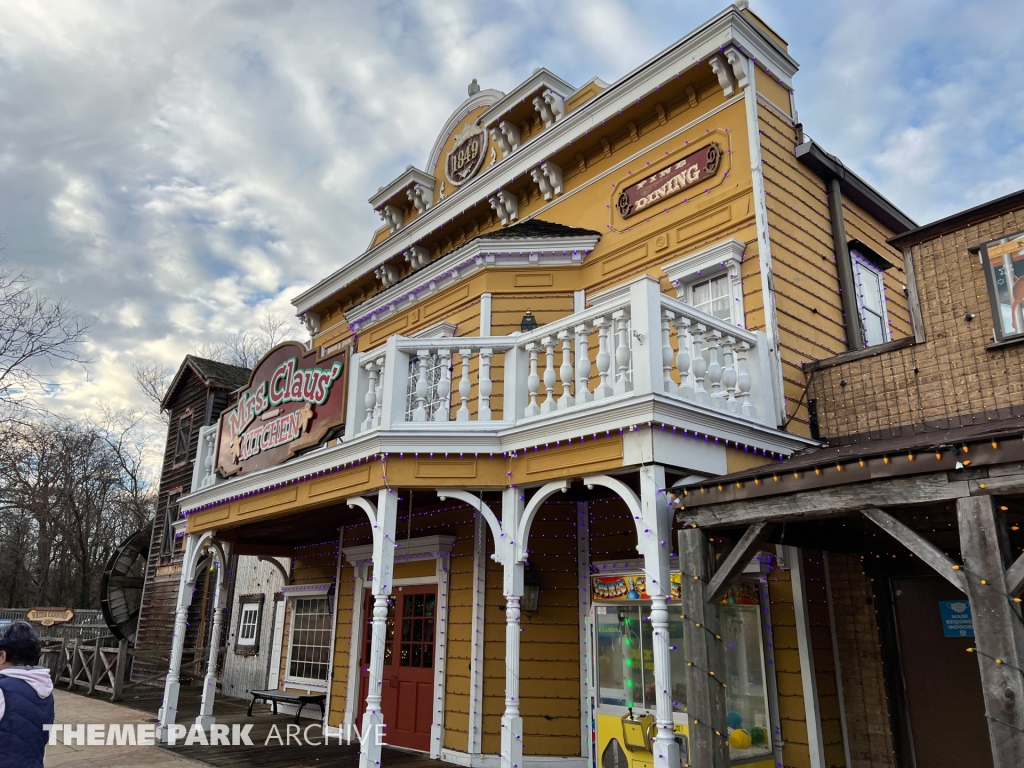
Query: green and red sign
{"x": 290, "y": 403}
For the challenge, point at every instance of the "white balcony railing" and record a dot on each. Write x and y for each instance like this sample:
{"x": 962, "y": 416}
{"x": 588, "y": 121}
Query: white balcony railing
{"x": 636, "y": 342}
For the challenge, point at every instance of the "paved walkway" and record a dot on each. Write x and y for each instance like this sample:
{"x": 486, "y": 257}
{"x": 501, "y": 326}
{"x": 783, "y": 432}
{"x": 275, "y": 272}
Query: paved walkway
{"x": 71, "y": 708}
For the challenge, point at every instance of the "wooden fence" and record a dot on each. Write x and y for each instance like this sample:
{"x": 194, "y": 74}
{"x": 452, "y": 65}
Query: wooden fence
{"x": 104, "y": 664}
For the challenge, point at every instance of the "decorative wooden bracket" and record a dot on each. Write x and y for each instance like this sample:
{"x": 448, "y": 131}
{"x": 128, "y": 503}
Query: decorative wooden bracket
{"x": 919, "y": 545}
{"x": 1015, "y": 577}
{"x": 736, "y": 561}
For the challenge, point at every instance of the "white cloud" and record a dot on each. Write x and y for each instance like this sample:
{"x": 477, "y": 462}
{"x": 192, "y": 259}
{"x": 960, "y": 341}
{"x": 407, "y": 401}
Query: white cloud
{"x": 173, "y": 168}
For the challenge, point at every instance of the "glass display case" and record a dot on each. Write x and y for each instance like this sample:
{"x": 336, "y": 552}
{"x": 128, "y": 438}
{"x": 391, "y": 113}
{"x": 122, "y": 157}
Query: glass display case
{"x": 624, "y": 669}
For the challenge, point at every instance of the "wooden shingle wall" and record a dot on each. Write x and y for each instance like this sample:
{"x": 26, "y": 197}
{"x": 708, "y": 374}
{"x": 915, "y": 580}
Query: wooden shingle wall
{"x": 951, "y": 379}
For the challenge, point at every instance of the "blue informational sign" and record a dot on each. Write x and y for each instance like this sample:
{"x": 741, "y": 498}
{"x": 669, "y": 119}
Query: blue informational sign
{"x": 956, "y": 618}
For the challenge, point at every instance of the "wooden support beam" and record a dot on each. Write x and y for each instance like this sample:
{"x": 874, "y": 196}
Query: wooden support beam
{"x": 736, "y": 561}
{"x": 920, "y": 546}
{"x": 1015, "y": 577}
{"x": 998, "y": 630}
{"x": 705, "y": 696}
{"x": 829, "y": 502}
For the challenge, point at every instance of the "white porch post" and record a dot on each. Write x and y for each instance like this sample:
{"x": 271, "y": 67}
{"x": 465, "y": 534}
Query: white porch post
{"x": 512, "y": 720}
{"x": 220, "y": 597}
{"x": 168, "y": 713}
{"x": 658, "y": 521}
{"x": 382, "y": 521}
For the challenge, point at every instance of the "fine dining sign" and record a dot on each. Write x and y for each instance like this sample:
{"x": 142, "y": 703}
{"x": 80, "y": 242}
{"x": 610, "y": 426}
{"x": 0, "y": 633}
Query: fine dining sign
{"x": 676, "y": 178}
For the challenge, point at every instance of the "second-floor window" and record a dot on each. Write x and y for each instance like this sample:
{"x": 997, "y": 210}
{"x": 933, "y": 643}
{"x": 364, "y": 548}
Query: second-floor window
{"x": 713, "y": 296}
{"x": 170, "y": 516}
{"x": 181, "y": 440}
{"x": 870, "y": 282}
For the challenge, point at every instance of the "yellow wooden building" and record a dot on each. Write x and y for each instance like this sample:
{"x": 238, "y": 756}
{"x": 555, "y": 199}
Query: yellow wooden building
{"x": 586, "y": 297}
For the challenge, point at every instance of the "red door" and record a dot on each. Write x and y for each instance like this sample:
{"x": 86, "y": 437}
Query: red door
{"x": 407, "y": 699}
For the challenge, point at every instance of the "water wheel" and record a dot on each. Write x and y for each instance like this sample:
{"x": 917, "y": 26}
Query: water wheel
{"x": 122, "y": 582}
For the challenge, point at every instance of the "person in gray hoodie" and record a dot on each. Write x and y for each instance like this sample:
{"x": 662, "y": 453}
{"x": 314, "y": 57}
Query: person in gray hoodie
{"x": 26, "y": 698}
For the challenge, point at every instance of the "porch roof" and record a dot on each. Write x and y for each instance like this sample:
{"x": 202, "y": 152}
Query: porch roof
{"x": 927, "y": 451}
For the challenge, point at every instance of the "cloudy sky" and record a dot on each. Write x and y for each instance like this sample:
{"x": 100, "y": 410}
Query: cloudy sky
{"x": 174, "y": 167}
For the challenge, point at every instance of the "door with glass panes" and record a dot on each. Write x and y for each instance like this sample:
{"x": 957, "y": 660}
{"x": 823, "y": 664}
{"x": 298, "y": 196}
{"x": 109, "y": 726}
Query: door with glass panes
{"x": 407, "y": 693}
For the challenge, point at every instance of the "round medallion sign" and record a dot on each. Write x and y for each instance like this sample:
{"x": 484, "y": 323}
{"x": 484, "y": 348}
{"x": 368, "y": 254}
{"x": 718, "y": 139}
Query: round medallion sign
{"x": 466, "y": 155}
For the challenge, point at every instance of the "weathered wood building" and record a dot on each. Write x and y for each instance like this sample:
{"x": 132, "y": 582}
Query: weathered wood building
{"x": 199, "y": 391}
{"x": 897, "y": 547}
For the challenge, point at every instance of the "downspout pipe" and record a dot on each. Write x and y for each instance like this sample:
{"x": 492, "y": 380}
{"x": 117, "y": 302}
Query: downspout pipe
{"x": 844, "y": 266}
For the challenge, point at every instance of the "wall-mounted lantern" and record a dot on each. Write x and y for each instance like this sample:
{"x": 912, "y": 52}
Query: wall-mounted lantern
{"x": 528, "y": 323}
{"x": 531, "y": 591}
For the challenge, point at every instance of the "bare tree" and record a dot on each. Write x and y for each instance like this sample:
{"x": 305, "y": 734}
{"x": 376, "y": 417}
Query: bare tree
{"x": 70, "y": 491}
{"x": 246, "y": 348}
{"x": 35, "y": 331}
{"x": 153, "y": 380}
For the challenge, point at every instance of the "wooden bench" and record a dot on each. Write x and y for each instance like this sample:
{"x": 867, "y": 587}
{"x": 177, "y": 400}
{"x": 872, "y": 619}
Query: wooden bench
{"x": 287, "y": 697}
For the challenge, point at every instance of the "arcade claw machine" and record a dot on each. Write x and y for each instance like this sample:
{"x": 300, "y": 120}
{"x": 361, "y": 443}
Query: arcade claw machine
{"x": 623, "y": 673}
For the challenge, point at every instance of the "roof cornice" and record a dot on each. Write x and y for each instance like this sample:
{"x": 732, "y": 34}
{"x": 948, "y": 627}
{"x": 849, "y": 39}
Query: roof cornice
{"x": 473, "y": 256}
{"x": 728, "y": 27}
{"x": 854, "y": 187}
{"x": 960, "y": 220}
{"x": 541, "y": 78}
{"x": 408, "y": 177}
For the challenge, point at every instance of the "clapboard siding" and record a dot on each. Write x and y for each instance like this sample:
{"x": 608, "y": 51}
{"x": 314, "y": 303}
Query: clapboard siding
{"x": 806, "y": 280}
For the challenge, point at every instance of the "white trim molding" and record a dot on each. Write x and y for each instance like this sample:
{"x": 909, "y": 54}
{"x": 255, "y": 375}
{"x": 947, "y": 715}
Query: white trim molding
{"x": 726, "y": 256}
{"x": 484, "y": 98}
{"x": 422, "y": 548}
{"x": 307, "y": 590}
{"x": 473, "y": 256}
{"x": 410, "y": 177}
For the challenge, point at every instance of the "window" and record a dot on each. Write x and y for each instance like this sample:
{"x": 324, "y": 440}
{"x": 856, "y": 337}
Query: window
{"x": 709, "y": 280}
{"x": 181, "y": 440}
{"x": 1004, "y": 267}
{"x": 250, "y": 619}
{"x": 170, "y": 516}
{"x": 870, "y": 283}
{"x": 713, "y": 296}
{"x": 310, "y": 644}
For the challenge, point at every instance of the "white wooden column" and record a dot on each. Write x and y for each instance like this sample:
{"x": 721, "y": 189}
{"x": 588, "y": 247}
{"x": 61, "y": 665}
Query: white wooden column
{"x": 220, "y": 596}
{"x": 355, "y": 647}
{"x": 653, "y": 520}
{"x": 583, "y": 566}
{"x": 383, "y": 517}
{"x": 442, "y": 571}
{"x": 512, "y": 720}
{"x": 168, "y": 713}
{"x": 658, "y": 517}
{"x": 485, "y": 314}
{"x": 476, "y": 653}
